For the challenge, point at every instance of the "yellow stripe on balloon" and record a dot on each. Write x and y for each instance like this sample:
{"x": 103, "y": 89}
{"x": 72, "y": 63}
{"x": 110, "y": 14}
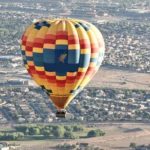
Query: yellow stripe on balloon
{"x": 52, "y": 29}
{"x": 31, "y": 36}
{"x": 85, "y": 81}
{"x": 29, "y": 53}
{"x": 92, "y": 64}
{"x": 61, "y": 77}
{"x": 23, "y": 48}
{"x": 61, "y": 26}
{"x": 92, "y": 37}
{"x": 42, "y": 32}
{"x": 85, "y": 51}
{"x": 49, "y": 46}
{"x": 70, "y": 97}
{"x": 61, "y": 91}
{"x": 62, "y": 42}
{"x": 71, "y": 73}
{"x": 50, "y": 73}
{"x": 82, "y": 69}
{"x": 38, "y": 80}
{"x": 77, "y": 83}
{"x": 27, "y": 67}
{"x": 81, "y": 33}
{"x": 50, "y": 86}
{"x": 39, "y": 68}
{"x": 94, "y": 55}
{"x": 37, "y": 50}
{"x": 68, "y": 87}
{"x": 30, "y": 63}
{"x": 73, "y": 46}
{"x": 71, "y": 29}
{"x": 54, "y": 88}
{"x": 28, "y": 30}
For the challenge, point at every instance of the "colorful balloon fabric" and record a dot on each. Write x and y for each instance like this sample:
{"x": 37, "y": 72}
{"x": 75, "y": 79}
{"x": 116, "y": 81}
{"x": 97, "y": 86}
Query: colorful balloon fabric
{"x": 62, "y": 55}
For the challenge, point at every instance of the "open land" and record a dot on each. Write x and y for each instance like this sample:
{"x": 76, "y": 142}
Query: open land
{"x": 118, "y": 137}
{"x": 124, "y": 79}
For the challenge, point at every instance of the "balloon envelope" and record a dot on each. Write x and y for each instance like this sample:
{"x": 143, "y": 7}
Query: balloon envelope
{"x": 62, "y": 55}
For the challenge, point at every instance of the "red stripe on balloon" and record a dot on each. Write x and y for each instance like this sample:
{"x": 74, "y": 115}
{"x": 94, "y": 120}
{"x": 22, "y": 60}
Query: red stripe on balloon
{"x": 29, "y": 48}
{"x": 80, "y": 75}
{"x": 73, "y": 41}
{"x": 61, "y": 81}
{"x": 50, "y": 39}
{"x": 51, "y": 81}
{"x": 30, "y": 44}
{"x": 62, "y": 35}
{"x": 51, "y": 77}
{"x": 84, "y": 44}
{"x": 94, "y": 48}
{"x": 39, "y": 45}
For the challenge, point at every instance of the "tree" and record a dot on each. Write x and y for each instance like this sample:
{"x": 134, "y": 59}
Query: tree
{"x": 92, "y": 133}
{"x": 20, "y": 135}
{"x": 77, "y": 128}
{"x": 27, "y": 131}
{"x": 1, "y": 135}
{"x": 95, "y": 133}
{"x": 34, "y": 130}
{"x": 21, "y": 129}
{"x": 68, "y": 128}
{"x": 132, "y": 145}
{"x": 46, "y": 132}
{"x": 11, "y": 136}
{"x": 69, "y": 135}
{"x": 58, "y": 131}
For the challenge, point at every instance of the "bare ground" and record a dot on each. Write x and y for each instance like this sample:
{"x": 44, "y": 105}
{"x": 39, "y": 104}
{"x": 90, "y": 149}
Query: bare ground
{"x": 114, "y": 78}
{"x": 116, "y": 138}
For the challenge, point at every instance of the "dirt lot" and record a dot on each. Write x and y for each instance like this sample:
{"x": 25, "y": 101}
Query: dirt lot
{"x": 115, "y": 78}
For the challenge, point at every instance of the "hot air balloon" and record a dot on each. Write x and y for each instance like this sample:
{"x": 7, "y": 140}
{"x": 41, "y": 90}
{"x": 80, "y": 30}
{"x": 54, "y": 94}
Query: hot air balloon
{"x": 62, "y": 55}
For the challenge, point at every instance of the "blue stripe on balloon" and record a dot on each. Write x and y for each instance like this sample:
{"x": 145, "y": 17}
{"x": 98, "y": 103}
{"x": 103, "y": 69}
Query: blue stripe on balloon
{"x": 73, "y": 56}
{"x": 77, "y": 25}
{"x": 84, "y": 60}
{"x": 93, "y": 60}
{"x": 22, "y": 52}
{"x": 72, "y": 67}
{"x": 49, "y": 56}
{"x": 50, "y": 67}
{"x": 61, "y": 47}
{"x": 84, "y": 26}
{"x": 61, "y": 69}
{"x": 29, "y": 58}
{"x": 25, "y": 61}
{"x": 38, "y": 59}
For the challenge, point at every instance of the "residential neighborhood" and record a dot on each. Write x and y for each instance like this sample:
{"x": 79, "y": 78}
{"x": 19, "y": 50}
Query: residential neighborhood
{"x": 119, "y": 105}
{"x": 31, "y": 105}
